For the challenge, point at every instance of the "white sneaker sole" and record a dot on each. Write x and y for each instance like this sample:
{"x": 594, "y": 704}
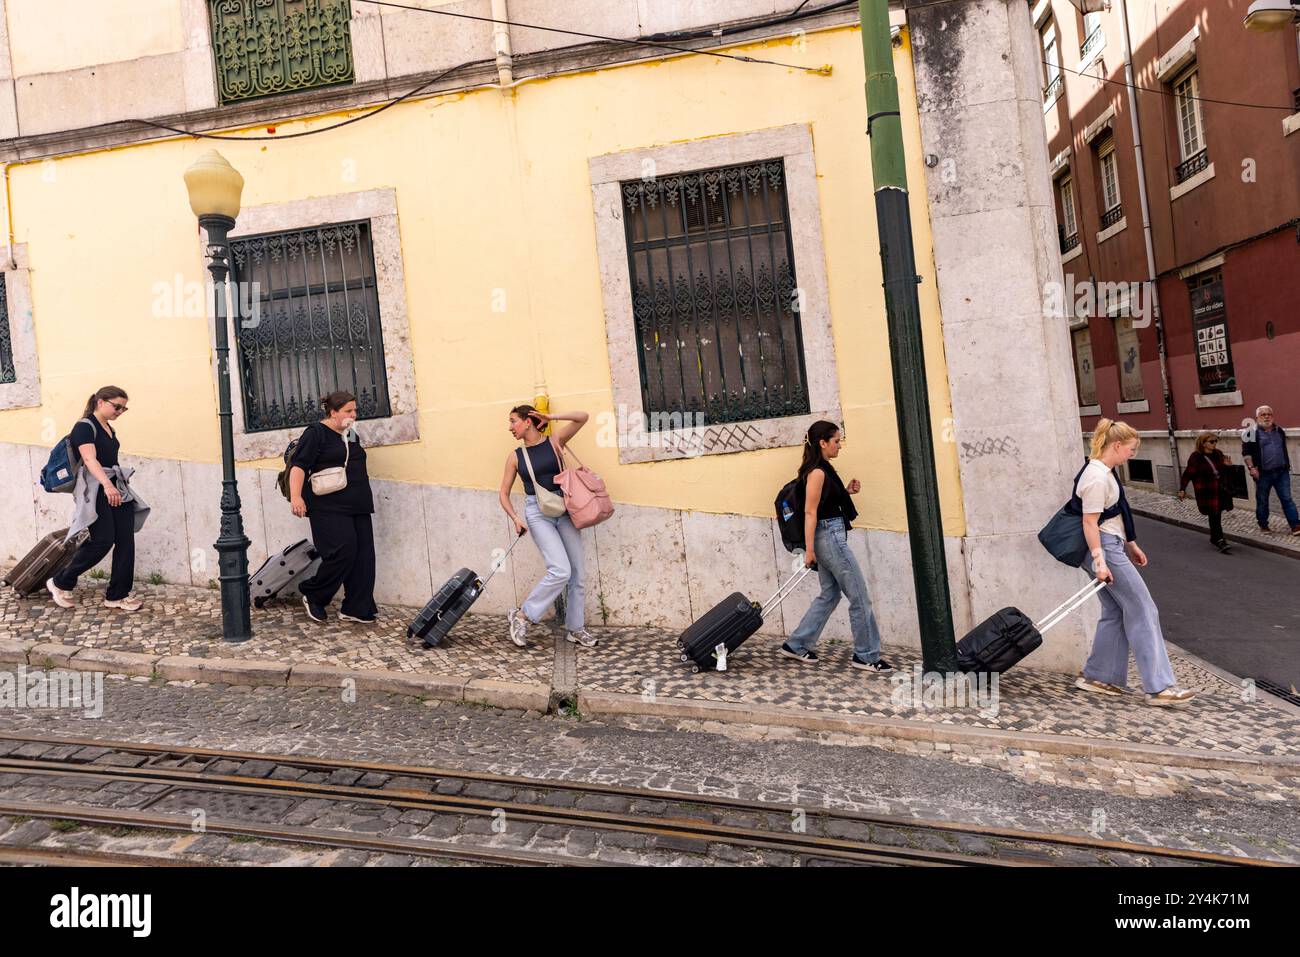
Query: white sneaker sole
{"x": 1082, "y": 684}
{"x": 57, "y": 595}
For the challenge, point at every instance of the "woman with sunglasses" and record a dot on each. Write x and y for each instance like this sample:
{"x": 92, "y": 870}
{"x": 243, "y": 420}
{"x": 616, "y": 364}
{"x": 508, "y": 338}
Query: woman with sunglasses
{"x": 113, "y": 529}
{"x": 1207, "y": 470}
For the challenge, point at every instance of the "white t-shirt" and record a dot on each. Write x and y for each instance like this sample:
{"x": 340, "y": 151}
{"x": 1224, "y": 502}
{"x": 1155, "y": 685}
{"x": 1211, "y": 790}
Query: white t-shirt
{"x": 1099, "y": 491}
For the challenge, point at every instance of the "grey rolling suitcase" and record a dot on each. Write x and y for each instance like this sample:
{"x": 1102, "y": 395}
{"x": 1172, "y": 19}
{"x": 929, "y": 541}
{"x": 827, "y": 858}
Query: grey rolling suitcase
{"x": 50, "y": 556}
{"x": 297, "y": 562}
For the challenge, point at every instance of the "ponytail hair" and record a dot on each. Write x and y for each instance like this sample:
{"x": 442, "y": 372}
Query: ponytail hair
{"x": 526, "y": 411}
{"x": 1109, "y": 431}
{"x": 818, "y": 433}
{"x": 106, "y": 394}
{"x": 335, "y": 401}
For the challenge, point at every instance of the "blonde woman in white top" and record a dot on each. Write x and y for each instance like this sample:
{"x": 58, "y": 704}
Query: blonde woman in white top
{"x": 1129, "y": 618}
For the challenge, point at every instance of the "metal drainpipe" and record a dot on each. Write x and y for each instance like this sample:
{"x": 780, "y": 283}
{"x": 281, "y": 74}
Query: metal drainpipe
{"x": 501, "y": 42}
{"x": 1170, "y": 420}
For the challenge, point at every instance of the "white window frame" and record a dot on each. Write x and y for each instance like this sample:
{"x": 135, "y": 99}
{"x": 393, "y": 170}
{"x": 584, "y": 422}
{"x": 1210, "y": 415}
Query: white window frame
{"x": 1050, "y": 38}
{"x": 1182, "y": 101}
{"x": 1065, "y": 187}
{"x": 1109, "y": 164}
{"x": 794, "y": 146}
{"x": 379, "y": 206}
{"x": 25, "y": 391}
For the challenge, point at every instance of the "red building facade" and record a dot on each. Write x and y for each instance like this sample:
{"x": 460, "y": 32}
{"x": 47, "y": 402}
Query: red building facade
{"x": 1218, "y": 122}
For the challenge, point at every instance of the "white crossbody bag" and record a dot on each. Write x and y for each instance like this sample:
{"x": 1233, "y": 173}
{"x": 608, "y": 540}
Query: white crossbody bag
{"x": 551, "y": 503}
{"x": 331, "y": 480}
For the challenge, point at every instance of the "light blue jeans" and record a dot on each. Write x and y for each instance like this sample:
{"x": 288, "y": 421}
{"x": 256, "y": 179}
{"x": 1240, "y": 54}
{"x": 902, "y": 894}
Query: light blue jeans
{"x": 1129, "y": 620}
{"x": 1279, "y": 480}
{"x": 839, "y": 572}
{"x": 561, "y": 547}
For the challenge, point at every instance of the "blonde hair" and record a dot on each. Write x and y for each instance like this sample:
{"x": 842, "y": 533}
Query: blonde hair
{"x": 1200, "y": 441}
{"x": 1109, "y": 431}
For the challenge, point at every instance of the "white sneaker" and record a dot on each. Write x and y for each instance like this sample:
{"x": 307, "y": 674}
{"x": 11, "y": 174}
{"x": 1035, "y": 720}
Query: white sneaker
{"x": 61, "y": 598}
{"x": 518, "y": 628}
{"x": 583, "y": 637}
{"x": 125, "y": 604}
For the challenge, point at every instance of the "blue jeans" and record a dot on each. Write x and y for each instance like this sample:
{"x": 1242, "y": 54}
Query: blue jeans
{"x": 561, "y": 547}
{"x": 839, "y": 572}
{"x": 1279, "y": 479}
{"x": 1129, "y": 621}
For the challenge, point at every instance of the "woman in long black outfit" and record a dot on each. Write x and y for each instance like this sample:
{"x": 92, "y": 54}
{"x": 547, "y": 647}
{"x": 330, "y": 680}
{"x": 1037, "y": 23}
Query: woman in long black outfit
{"x": 341, "y": 527}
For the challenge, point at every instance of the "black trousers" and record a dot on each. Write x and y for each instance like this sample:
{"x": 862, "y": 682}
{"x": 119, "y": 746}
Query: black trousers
{"x": 1216, "y": 527}
{"x": 347, "y": 549}
{"x": 114, "y": 530}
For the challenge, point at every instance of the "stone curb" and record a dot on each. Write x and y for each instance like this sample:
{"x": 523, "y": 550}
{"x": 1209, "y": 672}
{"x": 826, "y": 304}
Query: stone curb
{"x": 1231, "y": 536}
{"x": 441, "y": 687}
{"x": 58, "y": 655}
{"x": 115, "y": 662}
{"x": 231, "y": 671}
{"x": 15, "y": 652}
{"x": 614, "y": 703}
{"x": 515, "y": 695}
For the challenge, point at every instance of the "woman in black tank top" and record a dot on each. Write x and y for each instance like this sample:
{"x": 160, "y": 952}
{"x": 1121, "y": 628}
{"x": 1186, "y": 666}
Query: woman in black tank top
{"x": 828, "y": 512}
{"x": 538, "y": 461}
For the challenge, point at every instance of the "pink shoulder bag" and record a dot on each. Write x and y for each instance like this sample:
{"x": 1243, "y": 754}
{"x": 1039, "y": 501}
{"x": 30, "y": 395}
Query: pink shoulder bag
{"x": 584, "y": 493}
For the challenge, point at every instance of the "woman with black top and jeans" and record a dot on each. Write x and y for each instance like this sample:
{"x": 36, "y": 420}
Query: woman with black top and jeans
{"x": 341, "y": 526}
{"x": 114, "y": 527}
{"x": 828, "y": 511}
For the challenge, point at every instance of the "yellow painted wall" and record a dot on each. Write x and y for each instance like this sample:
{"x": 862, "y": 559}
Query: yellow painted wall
{"x": 493, "y": 193}
{"x": 49, "y": 36}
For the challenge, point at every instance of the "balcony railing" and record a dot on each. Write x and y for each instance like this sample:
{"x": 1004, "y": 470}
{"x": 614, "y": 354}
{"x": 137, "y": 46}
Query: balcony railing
{"x": 1053, "y": 89}
{"x": 1069, "y": 242}
{"x": 1112, "y": 216}
{"x": 1093, "y": 41}
{"x": 1186, "y": 170}
{"x": 1295, "y": 94}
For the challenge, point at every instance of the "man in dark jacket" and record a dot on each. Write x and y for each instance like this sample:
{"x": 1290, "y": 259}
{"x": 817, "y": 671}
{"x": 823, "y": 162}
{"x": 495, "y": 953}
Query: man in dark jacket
{"x": 1266, "y": 457}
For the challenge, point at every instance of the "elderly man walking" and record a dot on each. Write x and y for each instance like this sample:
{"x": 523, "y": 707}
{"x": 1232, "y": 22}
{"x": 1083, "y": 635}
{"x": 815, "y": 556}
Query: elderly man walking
{"x": 1270, "y": 465}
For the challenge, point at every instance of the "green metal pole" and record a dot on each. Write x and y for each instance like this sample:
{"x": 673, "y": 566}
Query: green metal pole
{"x": 907, "y": 355}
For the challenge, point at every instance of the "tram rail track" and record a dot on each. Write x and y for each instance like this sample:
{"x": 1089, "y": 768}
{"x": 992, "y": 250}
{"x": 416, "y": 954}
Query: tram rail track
{"x": 184, "y": 769}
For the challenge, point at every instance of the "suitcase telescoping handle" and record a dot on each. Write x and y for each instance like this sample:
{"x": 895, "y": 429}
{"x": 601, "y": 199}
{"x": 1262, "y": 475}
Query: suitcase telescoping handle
{"x": 784, "y": 591}
{"x": 1063, "y": 610}
{"x": 497, "y": 565}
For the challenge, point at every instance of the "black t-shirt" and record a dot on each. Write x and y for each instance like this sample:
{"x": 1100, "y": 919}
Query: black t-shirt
{"x": 545, "y": 464}
{"x": 835, "y": 501}
{"x": 105, "y": 443}
{"x": 320, "y": 447}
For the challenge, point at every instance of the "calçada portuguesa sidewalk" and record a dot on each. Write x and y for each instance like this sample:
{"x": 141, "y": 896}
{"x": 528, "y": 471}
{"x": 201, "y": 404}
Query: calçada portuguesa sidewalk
{"x": 637, "y": 671}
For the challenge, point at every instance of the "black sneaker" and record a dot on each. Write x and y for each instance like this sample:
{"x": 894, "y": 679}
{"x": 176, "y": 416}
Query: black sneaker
{"x": 1223, "y": 547}
{"x": 315, "y": 612}
{"x": 807, "y": 657}
{"x": 880, "y": 667}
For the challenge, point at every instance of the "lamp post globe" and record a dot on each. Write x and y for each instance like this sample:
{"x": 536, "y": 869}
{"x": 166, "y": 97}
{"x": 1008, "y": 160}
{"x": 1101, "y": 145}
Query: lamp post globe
{"x": 215, "y": 188}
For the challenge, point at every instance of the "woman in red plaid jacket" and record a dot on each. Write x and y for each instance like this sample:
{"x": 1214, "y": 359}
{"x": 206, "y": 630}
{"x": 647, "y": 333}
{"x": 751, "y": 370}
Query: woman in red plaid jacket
{"x": 1207, "y": 470}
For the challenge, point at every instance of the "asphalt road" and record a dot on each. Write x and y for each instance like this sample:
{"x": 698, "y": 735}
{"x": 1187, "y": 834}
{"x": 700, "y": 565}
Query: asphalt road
{"x": 1239, "y": 611}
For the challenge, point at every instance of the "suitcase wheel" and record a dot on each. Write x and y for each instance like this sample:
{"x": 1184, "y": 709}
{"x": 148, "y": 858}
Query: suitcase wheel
{"x": 695, "y": 669}
{"x": 259, "y": 602}
{"x": 685, "y": 656}
{"x": 680, "y": 643}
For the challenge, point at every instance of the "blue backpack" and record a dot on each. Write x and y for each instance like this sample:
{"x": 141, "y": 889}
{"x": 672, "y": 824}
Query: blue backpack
{"x": 61, "y": 468}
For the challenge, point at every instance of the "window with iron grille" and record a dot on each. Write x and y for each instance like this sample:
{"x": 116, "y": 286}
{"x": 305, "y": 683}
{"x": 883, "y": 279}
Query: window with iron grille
{"x": 264, "y": 47}
{"x": 313, "y": 327}
{"x": 714, "y": 295}
{"x": 7, "y": 371}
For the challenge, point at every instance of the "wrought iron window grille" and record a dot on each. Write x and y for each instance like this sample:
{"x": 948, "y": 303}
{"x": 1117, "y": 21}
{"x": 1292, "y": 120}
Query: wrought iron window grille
{"x": 1112, "y": 216}
{"x": 715, "y": 299}
{"x": 1068, "y": 242}
{"x": 315, "y": 327}
{"x": 1053, "y": 88}
{"x": 265, "y": 47}
{"x": 7, "y": 371}
{"x": 1190, "y": 167}
{"x": 1091, "y": 42}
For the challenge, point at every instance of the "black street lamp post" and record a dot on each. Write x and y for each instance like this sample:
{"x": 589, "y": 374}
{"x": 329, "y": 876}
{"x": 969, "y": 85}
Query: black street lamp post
{"x": 215, "y": 187}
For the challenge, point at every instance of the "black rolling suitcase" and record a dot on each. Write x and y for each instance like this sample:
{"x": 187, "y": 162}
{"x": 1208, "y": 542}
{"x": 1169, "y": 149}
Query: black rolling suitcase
{"x": 450, "y": 602}
{"x": 727, "y": 625}
{"x": 1006, "y": 637}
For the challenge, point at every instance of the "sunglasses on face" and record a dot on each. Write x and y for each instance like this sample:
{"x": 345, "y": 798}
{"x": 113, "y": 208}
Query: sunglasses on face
{"x": 120, "y": 408}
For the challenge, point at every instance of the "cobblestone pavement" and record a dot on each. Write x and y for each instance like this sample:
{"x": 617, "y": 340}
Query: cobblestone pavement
{"x": 1226, "y": 812}
{"x": 182, "y": 620}
{"x": 1240, "y": 521}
